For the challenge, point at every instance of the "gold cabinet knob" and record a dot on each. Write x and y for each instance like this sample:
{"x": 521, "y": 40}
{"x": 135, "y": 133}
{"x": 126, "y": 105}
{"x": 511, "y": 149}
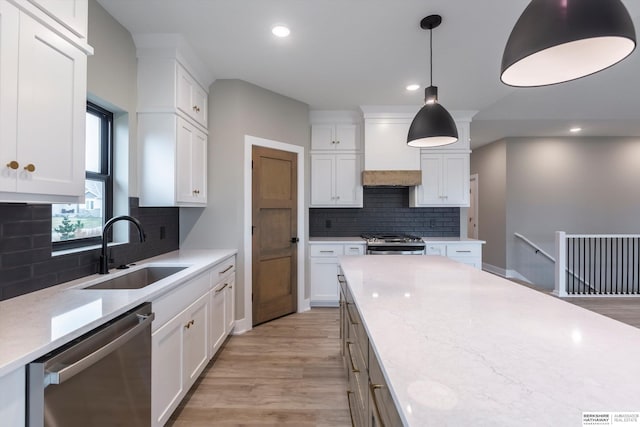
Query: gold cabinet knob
{"x": 30, "y": 167}
{"x": 13, "y": 164}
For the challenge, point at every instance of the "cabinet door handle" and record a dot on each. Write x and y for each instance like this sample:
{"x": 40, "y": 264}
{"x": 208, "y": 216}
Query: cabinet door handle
{"x": 463, "y": 252}
{"x": 196, "y": 108}
{"x": 373, "y": 388}
{"x": 222, "y": 288}
{"x": 30, "y": 167}
{"x": 353, "y": 366}
{"x": 326, "y": 252}
{"x": 189, "y": 324}
{"x": 226, "y": 269}
{"x": 13, "y": 165}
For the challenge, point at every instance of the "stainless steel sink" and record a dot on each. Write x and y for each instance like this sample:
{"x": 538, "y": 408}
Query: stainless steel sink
{"x": 137, "y": 279}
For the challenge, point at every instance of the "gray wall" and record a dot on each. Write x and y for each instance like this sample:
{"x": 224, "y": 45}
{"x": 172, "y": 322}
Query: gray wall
{"x": 577, "y": 185}
{"x": 489, "y": 162}
{"x": 112, "y": 83}
{"x": 236, "y": 109}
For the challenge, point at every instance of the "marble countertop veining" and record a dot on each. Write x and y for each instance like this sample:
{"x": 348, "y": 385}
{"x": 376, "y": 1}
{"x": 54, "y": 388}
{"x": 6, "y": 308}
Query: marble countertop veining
{"x": 34, "y": 324}
{"x": 462, "y": 347}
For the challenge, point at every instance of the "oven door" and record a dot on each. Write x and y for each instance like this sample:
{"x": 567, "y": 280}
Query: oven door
{"x": 395, "y": 250}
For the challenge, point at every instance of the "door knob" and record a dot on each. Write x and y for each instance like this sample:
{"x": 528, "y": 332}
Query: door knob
{"x": 13, "y": 164}
{"x": 30, "y": 167}
{"x": 294, "y": 240}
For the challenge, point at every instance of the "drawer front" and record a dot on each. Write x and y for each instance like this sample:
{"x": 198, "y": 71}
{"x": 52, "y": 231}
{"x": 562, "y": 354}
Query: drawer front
{"x": 223, "y": 269}
{"x": 354, "y": 249}
{"x": 436, "y": 249}
{"x": 463, "y": 250}
{"x": 381, "y": 400}
{"x": 357, "y": 334}
{"x": 169, "y": 305}
{"x": 358, "y": 383}
{"x": 326, "y": 250}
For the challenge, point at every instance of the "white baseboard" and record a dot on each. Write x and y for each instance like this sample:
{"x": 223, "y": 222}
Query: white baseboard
{"x": 244, "y": 325}
{"x": 507, "y": 274}
{"x": 326, "y": 304}
{"x": 306, "y": 306}
{"x": 498, "y": 271}
{"x": 241, "y": 326}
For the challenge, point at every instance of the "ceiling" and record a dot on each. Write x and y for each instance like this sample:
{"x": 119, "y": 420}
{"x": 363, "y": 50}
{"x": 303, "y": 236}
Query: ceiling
{"x": 345, "y": 53}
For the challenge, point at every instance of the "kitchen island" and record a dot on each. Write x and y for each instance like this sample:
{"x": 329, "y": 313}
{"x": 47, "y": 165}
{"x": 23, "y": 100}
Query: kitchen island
{"x": 461, "y": 347}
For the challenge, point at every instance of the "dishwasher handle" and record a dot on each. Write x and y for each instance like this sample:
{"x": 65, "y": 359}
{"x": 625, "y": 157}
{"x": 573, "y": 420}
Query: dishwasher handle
{"x": 68, "y": 372}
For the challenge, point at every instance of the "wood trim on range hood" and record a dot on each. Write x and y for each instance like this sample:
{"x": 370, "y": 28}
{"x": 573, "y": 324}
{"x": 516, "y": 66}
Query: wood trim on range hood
{"x": 397, "y": 178}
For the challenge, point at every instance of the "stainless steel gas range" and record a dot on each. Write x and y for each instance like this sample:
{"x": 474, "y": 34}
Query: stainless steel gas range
{"x": 394, "y": 244}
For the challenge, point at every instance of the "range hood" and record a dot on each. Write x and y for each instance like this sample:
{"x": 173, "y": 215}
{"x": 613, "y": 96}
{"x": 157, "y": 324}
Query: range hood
{"x": 391, "y": 178}
{"x": 388, "y": 160}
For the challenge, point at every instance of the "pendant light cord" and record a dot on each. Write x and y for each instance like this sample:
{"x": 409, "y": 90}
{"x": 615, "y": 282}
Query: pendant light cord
{"x": 430, "y": 56}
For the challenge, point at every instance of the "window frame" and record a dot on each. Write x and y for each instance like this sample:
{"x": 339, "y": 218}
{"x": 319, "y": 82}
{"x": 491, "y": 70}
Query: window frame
{"x": 105, "y": 175}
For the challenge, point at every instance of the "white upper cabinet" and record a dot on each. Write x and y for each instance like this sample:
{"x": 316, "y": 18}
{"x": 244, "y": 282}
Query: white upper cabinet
{"x": 192, "y": 98}
{"x": 172, "y": 123}
{"x": 42, "y": 111}
{"x": 72, "y": 14}
{"x": 165, "y": 85}
{"x": 334, "y": 137}
{"x": 173, "y": 161}
{"x": 445, "y": 180}
{"x": 335, "y": 180}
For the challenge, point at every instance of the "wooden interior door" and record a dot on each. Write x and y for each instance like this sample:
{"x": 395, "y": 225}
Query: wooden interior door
{"x": 275, "y": 227}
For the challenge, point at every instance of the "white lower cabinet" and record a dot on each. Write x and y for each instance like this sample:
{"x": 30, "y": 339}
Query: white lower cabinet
{"x": 466, "y": 252}
{"x": 12, "y": 398}
{"x": 191, "y": 324}
{"x": 179, "y": 352}
{"x": 222, "y": 310}
{"x": 323, "y": 266}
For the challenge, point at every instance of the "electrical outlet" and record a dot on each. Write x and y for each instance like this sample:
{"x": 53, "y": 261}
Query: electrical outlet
{"x": 327, "y": 223}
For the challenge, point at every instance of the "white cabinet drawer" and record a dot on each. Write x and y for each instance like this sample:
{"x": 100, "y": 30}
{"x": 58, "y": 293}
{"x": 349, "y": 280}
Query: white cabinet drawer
{"x": 436, "y": 249}
{"x": 354, "y": 249}
{"x": 464, "y": 250}
{"x": 223, "y": 269}
{"x": 169, "y": 305}
{"x": 326, "y": 250}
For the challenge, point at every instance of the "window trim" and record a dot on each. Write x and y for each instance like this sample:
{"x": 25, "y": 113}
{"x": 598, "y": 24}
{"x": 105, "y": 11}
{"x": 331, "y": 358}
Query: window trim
{"x": 106, "y": 176}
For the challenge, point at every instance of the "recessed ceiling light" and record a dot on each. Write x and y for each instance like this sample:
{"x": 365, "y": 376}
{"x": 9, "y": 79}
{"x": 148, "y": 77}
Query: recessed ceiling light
{"x": 280, "y": 31}
{"x": 413, "y": 87}
{"x": 575, "y": 130}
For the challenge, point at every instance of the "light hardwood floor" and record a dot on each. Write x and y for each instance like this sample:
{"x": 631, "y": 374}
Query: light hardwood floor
{"x": 287, "y": 372}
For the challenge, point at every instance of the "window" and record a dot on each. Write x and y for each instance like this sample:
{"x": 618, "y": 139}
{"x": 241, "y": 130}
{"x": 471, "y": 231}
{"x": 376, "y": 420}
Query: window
{"x": 74, "y": 225}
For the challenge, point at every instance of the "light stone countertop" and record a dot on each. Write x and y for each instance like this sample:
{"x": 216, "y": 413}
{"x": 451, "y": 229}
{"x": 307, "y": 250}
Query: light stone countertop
{"x": 357, "y": 239}
{"x": 337, "y": 240}
{"x": 451, "y": 240}
{"x": 32, "y": 325}
{"x": 462, "y": 347}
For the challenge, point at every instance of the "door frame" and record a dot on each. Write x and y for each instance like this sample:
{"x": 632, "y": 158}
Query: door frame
{"x": 473, "y": 184}
{"x": 302, "y": 303}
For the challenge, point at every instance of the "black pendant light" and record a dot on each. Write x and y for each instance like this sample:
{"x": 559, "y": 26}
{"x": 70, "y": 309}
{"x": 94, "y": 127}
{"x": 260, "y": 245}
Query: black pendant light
{"x": 433, "y": 126}
{"x": 555, "y": 41}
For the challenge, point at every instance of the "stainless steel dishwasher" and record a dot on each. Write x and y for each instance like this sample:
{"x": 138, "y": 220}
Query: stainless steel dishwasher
{"x": 100, "y": 379}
